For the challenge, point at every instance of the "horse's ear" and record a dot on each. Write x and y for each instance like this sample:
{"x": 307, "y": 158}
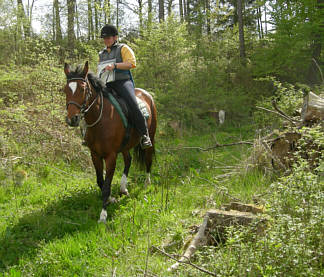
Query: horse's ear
{"x": 85, "y": 69}
{"x": 67, "y": 69}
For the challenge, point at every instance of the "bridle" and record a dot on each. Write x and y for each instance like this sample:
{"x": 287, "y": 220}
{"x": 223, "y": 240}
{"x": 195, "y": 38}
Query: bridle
{"x": 83, "y": 107}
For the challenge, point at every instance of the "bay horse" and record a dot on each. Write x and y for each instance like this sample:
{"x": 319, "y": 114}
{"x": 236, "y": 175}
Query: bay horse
{"x": 105, "y": 130}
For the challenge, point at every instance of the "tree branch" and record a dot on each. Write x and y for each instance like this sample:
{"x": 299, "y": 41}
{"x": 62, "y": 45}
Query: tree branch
{"x": 185, "y": 262}
{"x": 277, "y": 113}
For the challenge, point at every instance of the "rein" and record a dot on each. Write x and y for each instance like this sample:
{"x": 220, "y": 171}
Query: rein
{"x": 82, "y": 107}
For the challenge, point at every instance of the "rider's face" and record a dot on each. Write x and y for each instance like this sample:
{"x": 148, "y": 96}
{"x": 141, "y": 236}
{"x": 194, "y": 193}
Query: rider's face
{"x": 109, "y": 41}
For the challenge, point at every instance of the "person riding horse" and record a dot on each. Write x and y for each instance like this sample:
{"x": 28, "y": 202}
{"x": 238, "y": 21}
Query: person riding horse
{"x": 115, "y": 62}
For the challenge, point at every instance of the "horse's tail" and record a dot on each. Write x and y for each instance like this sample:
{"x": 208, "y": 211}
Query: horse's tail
{"x": 145, "y": 157}
{"x": 139, "y": 156}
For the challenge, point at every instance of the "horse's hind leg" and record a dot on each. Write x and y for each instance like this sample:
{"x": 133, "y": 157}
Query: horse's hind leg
{"x": 123, "y": 183}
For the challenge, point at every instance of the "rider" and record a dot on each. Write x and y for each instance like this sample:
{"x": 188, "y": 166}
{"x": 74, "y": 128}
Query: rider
{"x": 118, "y": 59}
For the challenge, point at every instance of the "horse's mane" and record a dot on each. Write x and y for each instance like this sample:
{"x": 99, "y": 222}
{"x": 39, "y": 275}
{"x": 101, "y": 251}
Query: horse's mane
{"x": 97, "y": 84}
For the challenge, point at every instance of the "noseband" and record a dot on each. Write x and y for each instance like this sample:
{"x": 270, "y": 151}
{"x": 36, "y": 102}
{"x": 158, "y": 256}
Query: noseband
{"x": 83, "y": 107}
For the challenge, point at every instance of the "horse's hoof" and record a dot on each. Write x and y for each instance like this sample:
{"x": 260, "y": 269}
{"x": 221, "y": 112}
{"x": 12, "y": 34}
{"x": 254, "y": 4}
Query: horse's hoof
{"x": 125, "y": 192}
{"x": 103, "y": 216}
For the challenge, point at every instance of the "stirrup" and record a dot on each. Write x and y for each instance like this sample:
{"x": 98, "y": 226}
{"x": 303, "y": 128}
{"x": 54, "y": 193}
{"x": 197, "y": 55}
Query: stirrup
{"x": 146, "y": 142}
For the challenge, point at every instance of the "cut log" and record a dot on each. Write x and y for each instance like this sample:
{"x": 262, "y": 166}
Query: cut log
{"x": 313, "y": 108}
{"x": 216, "y": 222}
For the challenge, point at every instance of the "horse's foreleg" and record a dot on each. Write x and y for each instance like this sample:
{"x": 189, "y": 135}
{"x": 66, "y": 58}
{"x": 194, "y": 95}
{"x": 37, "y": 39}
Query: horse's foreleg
{"x": 123, "y": 183}
{"x": 106, "y": 189}
{"x": 98, "y": 164}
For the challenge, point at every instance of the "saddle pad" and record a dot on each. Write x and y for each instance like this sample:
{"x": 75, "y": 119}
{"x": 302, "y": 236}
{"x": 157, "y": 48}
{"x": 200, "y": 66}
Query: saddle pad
{"x": 141, "y": 105}
{"x": 143, "y": 108}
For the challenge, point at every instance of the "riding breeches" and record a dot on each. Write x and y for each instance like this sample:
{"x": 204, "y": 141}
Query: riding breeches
{"x": 125, "y": 89}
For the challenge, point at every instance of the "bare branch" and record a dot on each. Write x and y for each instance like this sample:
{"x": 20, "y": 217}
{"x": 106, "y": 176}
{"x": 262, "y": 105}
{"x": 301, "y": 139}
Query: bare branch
{"x": 277, "y": 113}
{"x": 185, "y": 262}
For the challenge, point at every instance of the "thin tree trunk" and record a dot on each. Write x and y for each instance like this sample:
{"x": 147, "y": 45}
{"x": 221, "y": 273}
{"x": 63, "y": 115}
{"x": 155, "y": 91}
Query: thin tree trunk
{"x": 316, "y": 49}
{"x": 140, "y": 14}
{"x": 241, "y": 31}
{"x": 78, "y": 34}
{"x": 265, "y": 19}
{"x": 170, "y": 2}
{"x": 208, "y": 12}
{"x": 150, "y": 10}
{"x": 181, "y": 10}
{"x": 117, "y": 14}
{"x": 71, "y": 16}
{"x": 22, "y": 20}
{"x": 90, "y": 21}
{"x": 260, "y": 18}
{"x": 53, "y": 22}
{"x": 188, "y": 11}
{"x": 58, "y": 29}
{"x": 96, "y": 17}
{"x": 161, "y": 10}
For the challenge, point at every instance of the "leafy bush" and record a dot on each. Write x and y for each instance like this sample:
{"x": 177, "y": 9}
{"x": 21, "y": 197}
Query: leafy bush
{"x": 288, "y": 98}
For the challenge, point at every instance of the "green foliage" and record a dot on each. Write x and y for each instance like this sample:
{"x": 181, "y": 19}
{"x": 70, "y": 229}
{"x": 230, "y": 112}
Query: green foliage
{"x": 288, "y": 98}
{"x": 287, "y": 52}
{"x": 292, "y": 244}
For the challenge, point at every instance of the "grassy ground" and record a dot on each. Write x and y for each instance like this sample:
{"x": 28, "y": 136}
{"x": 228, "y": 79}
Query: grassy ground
{"x": 50, "y": 203}
{"x": 49, "y": 222}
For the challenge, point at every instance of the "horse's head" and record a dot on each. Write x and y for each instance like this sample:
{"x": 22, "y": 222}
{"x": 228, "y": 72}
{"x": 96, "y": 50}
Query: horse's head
{"x": 76, "y": 91}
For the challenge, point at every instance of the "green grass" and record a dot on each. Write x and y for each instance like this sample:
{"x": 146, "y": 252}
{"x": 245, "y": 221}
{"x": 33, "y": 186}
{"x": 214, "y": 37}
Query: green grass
{"x": 49, "y": 223}
{"x": 50, "y": 203}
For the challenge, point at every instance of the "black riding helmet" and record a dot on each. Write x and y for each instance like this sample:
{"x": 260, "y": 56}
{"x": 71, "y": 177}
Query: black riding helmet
{"x": 108, "y": 31}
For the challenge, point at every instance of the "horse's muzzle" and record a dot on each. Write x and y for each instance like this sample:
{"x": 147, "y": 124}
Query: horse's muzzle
{"x": 73, "y": 121}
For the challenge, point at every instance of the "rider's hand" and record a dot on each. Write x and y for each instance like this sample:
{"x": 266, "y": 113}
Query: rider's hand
{"x": 110, "y": 67}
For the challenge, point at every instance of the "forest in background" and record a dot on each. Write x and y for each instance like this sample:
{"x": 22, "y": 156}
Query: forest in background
{"x": 196, "y": 57}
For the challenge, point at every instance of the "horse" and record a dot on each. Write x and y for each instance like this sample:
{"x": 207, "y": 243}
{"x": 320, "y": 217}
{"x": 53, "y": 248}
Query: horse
{"x": 105, "y": 130}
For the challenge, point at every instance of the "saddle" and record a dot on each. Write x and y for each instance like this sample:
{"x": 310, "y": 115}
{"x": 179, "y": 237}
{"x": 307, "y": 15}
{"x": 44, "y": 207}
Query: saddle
{"x": 122, "y": 108}
{"x": 124, "y": 111}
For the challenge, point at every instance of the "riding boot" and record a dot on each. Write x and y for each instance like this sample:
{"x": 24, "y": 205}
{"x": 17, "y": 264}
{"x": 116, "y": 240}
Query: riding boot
{"x": 146, "y": 141}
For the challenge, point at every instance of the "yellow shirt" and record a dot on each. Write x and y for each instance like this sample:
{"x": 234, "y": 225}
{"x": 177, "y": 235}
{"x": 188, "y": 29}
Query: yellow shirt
{"x": 128, "y": 55}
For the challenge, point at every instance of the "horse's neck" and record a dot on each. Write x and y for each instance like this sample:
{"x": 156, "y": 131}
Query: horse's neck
{"x": 95, "y": 111}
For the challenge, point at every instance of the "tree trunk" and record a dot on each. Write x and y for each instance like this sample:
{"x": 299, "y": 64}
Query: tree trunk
{"x": 96, "y": 16}
{"x": 71, "y": 16}
{"x": 58, "y": 29}
{"x": 170, "y": 2}
{"x": 208, "y": 12}
{"x": 90, "y": 21}
{"x": 161, "y": 10}
{"x": 78, "y": 33}
{"x": 117, "y": 14}
{"x": 181, "y": 10}
{"x": 22, "y": 20}
{"x": 140, "y": 14}
{"x": 316, "y": 48}
{"x": 241, "y": 31}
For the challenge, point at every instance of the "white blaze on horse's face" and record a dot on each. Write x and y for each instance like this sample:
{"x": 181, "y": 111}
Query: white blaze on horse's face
{"x": 73, "y": 86}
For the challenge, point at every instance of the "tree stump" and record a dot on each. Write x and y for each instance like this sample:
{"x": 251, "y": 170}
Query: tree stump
{"x": 282, "y": 150}
{"x": 313, "y": 109}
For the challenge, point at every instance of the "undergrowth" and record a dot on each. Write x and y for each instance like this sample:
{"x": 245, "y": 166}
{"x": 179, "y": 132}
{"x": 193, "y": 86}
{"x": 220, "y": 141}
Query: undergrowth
{"x": 50, "y": 202}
